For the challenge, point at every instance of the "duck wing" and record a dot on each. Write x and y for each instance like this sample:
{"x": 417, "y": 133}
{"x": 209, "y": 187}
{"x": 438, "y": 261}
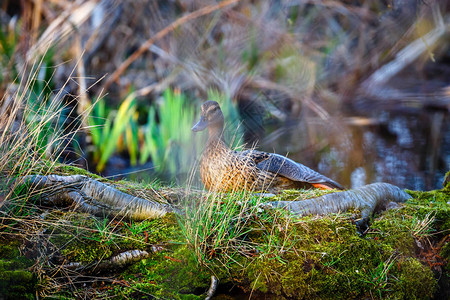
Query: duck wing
{"x": 290, "y": 169}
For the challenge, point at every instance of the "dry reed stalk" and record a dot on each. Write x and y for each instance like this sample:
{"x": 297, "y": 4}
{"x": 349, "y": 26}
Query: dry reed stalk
{"x": 407, "y": 55}
{"x": 61, "y": 27}
{"x": 171, "y": 27}
{"x": 83, "y": 102}
{"x": 35, "y": 22}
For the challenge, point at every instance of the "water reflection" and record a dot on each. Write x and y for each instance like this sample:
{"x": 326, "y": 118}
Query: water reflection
{"x": 408, "y": 149}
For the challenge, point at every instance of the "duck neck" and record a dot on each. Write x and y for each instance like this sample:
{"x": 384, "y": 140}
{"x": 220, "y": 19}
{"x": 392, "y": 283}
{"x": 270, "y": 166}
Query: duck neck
{"x": 216, "y": 135}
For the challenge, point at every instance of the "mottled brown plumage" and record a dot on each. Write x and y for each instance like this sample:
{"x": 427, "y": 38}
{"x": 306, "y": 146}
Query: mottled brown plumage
{"x": 223, "y": 169}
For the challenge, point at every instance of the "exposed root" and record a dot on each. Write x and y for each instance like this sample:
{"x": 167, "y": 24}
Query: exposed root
{"x": 212, "y": 288}
{"x": 94, "y": 197}
{"x": 102, "y": 199}
{"x": 367, "y": 199}
{"x": 119, "y": 261}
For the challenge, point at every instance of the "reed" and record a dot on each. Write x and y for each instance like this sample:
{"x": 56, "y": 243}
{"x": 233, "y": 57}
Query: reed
{"x": 106, "y": 132}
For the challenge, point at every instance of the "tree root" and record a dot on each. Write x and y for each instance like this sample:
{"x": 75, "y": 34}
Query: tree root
{"x": 93, "y": 197}
{"x": 212, "y": 288}
{"x": 116, "y": 262}
{"x": 367, "y": 199}
{"x": 102, "y": 199}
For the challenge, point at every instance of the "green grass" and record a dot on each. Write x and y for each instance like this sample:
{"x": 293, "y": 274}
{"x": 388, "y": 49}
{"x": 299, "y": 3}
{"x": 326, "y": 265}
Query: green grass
{"x": 169, "y": 141}
{"x": 218, "y": 223}
{"x": 106, "y": 131}
{"x": 9, "y": 38}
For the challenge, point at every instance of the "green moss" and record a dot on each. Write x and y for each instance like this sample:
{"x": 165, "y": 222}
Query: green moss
{"x": 86, "y": 251}
{"x": 295, "y": 281}
{"x": 16, "y": 281}
{"x": 326, "y": 266}
{"x": 274, "y": 254}
{"x": 393, "y": 231}
{"x": 413, "y": 280}
{"x": 346, "y": 266}
{"x": 170, "y": 273}
{"x": 163, "y": 229}
{"x": 148, "y": 232}
{"x": 81, "y": 237}
{"x": 435, "y": 202}
{"x": 9, "y": 249}
{"x": 295, "y": 195}
{"x": 326, "y": 258}
{"x": 446, "y": 182}
{"x": 426, "y": 214}
{"x": 63, "y": 169}
{"x": 167, "y": 275}
{"x": 445, "y": 252}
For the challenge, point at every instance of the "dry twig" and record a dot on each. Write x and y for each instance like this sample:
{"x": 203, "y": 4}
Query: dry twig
{"x": 171, "y": 27}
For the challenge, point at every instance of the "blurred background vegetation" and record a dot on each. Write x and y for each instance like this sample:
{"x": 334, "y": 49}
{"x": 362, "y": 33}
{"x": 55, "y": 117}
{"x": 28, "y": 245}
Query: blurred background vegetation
{"x": 358, "y": 90}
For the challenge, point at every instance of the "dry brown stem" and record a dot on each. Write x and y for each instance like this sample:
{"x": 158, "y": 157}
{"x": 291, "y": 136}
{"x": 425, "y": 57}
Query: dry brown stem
{"x": 171, "y": 27}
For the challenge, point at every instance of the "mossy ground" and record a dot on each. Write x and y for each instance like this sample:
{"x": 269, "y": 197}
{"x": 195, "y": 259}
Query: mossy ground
{"x": 16, "y": 280}
{"x": 403, "y": 255}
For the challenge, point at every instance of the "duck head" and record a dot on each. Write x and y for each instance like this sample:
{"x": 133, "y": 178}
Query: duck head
{"x": 211, "y": 117}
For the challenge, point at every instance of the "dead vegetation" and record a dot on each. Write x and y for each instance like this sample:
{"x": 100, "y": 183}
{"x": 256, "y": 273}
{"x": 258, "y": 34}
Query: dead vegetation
{"x": 250, "y": 50}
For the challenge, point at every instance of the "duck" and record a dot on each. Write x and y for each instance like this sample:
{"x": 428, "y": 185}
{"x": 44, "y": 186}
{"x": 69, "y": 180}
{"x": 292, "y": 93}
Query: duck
{"x": 225, "y": 170}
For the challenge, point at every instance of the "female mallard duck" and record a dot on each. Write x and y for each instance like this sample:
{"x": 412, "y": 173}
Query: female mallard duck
{"x": 223, "y": 169}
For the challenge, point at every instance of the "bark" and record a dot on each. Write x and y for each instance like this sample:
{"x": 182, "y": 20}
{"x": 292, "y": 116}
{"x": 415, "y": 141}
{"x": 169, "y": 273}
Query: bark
{"x": 116, "y": 262}
{"x": 94, "y": 197}
{"x": 213, "y": 287}
{"x": 367, "y": 199}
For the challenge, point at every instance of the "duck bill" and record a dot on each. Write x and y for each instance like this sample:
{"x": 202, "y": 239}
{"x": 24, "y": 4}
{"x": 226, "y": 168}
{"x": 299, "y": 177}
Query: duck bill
{"x": 201, "y": 125}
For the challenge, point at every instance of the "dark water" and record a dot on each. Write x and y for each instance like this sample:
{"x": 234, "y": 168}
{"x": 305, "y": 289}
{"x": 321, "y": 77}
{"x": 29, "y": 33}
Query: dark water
{"x": 408, "y": 148}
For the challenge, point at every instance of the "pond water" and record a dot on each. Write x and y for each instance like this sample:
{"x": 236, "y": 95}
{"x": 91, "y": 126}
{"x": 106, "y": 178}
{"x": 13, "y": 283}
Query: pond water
{"x": 409, "y": 148}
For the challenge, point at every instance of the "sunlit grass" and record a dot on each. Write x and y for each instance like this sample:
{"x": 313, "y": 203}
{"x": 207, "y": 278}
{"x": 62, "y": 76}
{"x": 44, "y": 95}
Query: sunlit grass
{"x": 32, "y": 140}
{"x": 106, "y": 128}
{"x": 32, "y": 131}
{"x": 216, "y": 225}
{"x": 169, "y": 141}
